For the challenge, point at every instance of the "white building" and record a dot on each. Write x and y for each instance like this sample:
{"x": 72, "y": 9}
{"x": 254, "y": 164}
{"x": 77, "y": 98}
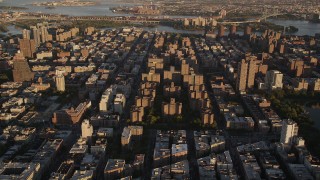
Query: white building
{"x": 60, "y": 81}
{"x": 119, "y": 103}
{"x": 126, "y": 136}
{"x": 289, "y": 131}
{"x": 86, "y": 128}
{"x": 273, "y": 80}
{"x": 106, "y": 99}
{"x": 103, "y": 105}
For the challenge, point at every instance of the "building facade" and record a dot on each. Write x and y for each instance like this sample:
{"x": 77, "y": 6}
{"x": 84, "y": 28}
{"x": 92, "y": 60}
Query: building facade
{"x": 289, "y": 131}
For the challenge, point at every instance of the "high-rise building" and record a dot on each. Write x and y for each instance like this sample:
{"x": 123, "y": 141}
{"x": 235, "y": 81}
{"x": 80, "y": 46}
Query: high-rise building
{"x": 171, "y": 108}
{"x": 119, "y": 103}
{"x": 246, "y": 74}
{"x": 281, "y": 48}
{"x": 233, "y": 30}
{"x": 103, "y": 105}
{"x": 251, "y": 72}
{"x": 144, "y": 101}
{"x": 89, "y": 30}
{"x": 27, "y": 47}
{"x": 184, "y": 68}
{"x": 241, "y": 82}
{"x": 186, "y": 22}
{"x": 106, "y": 100}
{"x": 21, "y": 70}
{"x": 300, "y": 84}
{"x": 44, "y": 34}
{"x": 223, "y": 13}
{"x": 273, "y": 80}
{"x": 193, "y": 79}
{"x": 60, "y": 81}
{"x": 26, "y": 34}
{"x": 207, "y": 116}
{"x": 271, "y": 48}
{"x": 289, "y": 131}
{"x": 247, "y": 31}
{"x": 86, "y": 129}
{"x": 221, "y": 31}
{"x": 36, "y": 35}
{"x": 136, "y": 114}
{"x": 74, "y": 31}
{"x": 315, "y": 85}
{"x": 152, "y": 76}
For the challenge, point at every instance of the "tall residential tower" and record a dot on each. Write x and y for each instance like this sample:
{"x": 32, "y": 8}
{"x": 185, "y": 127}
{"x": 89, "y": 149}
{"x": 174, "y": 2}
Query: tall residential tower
{"x": 289, "y": 131}
{"x": 60, "y": 81}
{"x": 21, "y": 70}
{"x": 246, "y": 74}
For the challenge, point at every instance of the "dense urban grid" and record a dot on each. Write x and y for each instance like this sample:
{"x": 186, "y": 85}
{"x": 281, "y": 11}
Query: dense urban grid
{"x": 127, "y": 103}
{"x": 80, "y": 102}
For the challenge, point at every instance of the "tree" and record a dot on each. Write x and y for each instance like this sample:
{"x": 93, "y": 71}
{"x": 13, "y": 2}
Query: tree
{"x": 292, "y": 113}
{"x": 128, "y": 120}
{"x": 197, "y": 121}
{"x": 179, "y": 118}
{"x": 154, "y": 119}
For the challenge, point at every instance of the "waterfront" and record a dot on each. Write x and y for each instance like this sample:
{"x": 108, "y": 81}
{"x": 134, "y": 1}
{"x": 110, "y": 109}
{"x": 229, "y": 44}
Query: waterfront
{"x": 12, "y": 30}
{"x": 103, "y": 9}
{"x": 305, "y": 27}
{"x": 96, "y": 93}
{"x": 313, "y": 108}
{"x": 172, "y": 30}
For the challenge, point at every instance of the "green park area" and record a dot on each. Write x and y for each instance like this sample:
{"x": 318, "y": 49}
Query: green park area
{"x": 290, "y": 104}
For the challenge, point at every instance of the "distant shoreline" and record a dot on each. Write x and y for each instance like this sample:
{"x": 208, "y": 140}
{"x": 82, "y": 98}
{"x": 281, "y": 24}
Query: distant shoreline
{"x": 12, "y": 8}
{"x": 65, "y": 3}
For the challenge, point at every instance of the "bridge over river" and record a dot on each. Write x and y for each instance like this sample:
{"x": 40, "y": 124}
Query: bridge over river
{"x": 121, "y": 19}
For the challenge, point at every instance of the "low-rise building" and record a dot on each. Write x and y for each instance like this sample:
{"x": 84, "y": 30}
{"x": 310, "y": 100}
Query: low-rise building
{"x": 217, "y": 143}
{"x": 235, "y": 122}
{"x": 70, "y": 116}
{"x": 82, "y": 175}
{"x": 179, "y": 152}
{"x": 179, "y": 170}
{"x": 14, "y": 170}
{"x": 207, "y": 166}
{"x": 299, "y": 172}
{"x": 116, "y": 169}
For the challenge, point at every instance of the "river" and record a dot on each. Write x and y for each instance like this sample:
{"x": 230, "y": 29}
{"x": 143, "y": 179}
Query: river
{"x": 313, "y": 109}
{"x": 305, "y": 27}
{"x": 103, "y": 9}
{"x": 11, "y": 30}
